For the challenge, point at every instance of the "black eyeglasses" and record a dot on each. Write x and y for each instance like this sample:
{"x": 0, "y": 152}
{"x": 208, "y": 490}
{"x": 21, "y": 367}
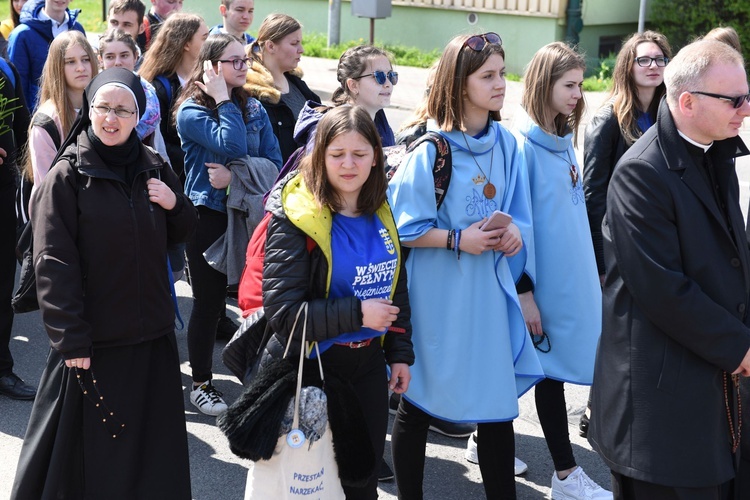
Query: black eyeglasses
{"x": 238, "y": 64}
{"x": 645, "y": 61}
{"x": 380, "y": 77}
{"x": 479, "y": 42}
{"x": 120, "y": 112}
{"x": 737, "y": 102}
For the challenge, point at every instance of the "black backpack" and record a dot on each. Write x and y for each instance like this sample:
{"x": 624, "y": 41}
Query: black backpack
{"x": 441, "y": 169}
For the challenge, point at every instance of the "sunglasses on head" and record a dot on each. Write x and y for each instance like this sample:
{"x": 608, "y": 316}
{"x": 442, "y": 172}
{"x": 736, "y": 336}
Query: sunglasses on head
{"x": 380, "y": 77}
{"x": 479, "y": 42}
{"x": 737, "y": 102}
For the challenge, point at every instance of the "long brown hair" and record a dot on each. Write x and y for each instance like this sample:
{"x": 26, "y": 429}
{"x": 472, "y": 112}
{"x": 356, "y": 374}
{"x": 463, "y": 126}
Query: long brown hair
{"x": 337, "y": 121}
{"x": 167, "y": 49}
{"x": 548, "y": 65}
{"x": 212, "y": 50}
{"x": 445, "y": 103}
{"x": 624, "y": 93}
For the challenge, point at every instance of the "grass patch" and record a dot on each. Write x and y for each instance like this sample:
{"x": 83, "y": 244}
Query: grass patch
{"x": 597, "y": 84}
{"x": 315, "y": 46}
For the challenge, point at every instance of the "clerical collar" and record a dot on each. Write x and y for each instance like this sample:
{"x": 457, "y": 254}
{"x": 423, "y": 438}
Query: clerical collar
{"x": 704, "y": 147}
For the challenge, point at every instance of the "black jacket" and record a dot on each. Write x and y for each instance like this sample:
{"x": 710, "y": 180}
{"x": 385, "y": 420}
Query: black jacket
{"x": 100, "y": 251}
{"x": 675, "y": 299}
{"x": 602, "y": 148}
{"x": 260, "y": 85}
{"x": 293, "y": 275}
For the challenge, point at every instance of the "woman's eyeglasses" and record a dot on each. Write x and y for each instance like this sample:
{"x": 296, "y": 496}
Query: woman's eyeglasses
{"x": 119, "y": 112}
{"x": 238, "y": 64}
{"x": 380, "y": 77}
{"x": 645, "y": 61}
{"x": 479, "y": 42}
{"x": 737, "y": 102}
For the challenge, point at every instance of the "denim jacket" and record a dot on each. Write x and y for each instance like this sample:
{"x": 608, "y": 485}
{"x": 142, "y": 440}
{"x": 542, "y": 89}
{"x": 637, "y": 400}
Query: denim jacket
{"x": 211, "y": 136}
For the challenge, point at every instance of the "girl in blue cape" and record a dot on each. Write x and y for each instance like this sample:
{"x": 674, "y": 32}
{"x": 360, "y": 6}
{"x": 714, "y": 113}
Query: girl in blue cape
{"x": 474, "y": 357}
{"x": 563, "y": 306}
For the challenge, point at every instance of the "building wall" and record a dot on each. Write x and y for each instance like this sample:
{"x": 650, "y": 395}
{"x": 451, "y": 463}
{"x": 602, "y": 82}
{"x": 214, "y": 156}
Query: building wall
{"x": 431, "y": 28}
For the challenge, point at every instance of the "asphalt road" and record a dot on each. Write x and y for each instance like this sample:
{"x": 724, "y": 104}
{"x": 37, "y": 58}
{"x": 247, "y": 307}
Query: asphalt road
{"x": 218, "y": 474}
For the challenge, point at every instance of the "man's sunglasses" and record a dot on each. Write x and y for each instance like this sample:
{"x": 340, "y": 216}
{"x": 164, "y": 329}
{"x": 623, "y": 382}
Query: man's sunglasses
{"x": 237, "y": 64}
{"x": 737, "y": 102}
{"x": 380, "y": 77}
{"x": 479, "y": 42}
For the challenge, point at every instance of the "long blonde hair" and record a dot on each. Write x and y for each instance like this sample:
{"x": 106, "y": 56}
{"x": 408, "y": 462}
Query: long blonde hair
{"x": 53, "y": 86}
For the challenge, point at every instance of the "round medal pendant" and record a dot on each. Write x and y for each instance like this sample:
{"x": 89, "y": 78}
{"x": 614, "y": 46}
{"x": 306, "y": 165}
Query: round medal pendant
{"x": 489, "y": 190}
{"x": 295, "y": 438}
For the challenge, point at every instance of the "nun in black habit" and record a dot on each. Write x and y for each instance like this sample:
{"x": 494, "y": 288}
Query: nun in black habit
{"x": 108, "y": 420}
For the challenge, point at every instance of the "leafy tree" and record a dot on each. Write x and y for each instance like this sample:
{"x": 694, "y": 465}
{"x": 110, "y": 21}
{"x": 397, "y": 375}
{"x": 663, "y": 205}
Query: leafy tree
{"x": 681, "y": 22}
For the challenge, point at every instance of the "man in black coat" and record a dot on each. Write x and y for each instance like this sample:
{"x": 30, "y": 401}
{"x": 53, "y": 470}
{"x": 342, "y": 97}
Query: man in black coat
{"x": 676, "y": 331}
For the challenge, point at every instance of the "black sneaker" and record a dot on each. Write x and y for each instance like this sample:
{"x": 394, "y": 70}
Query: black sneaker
{"x": 451, "y": 429}
{"x": 583, "y": 425}
{"x": 393, "y": 403}
{"x": 226, "y": 328}
{"x": 385, "y": 473}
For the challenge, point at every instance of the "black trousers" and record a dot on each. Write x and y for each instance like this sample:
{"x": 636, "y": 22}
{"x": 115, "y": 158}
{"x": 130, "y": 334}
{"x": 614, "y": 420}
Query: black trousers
{"x": 627, "y": 488}
{"x": 365, "y": 368}
{"x": 7, "y": 262}
{"x": 553, "y": 416}
{"x": 495, "y": 446}
{"x": 209, "y": 293}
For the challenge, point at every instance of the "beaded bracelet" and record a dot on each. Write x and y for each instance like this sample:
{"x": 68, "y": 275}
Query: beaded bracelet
{"x": 449, "y": 243}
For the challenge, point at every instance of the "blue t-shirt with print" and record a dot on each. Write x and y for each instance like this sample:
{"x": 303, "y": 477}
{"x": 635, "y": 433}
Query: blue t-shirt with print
{"x": 364, "y": 265}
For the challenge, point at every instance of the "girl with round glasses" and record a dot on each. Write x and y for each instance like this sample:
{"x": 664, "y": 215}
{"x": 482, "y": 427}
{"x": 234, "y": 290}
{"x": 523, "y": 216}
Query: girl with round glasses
{"x": 217, "y": 121}
{"x": 275, "y": 78}
{"x": 562, "y": 306}
{"x": 473, "y": 358}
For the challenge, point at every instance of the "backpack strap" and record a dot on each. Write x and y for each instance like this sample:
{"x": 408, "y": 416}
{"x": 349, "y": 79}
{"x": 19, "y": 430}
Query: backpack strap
{"x": 443, "y": 166}
{"x": 167, "y": 87}
{"x": 8, "y": 72}
{"x": 48, "y": 124}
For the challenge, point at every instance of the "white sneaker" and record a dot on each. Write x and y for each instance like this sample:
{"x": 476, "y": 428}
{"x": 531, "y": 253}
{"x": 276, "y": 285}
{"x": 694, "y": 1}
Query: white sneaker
{"x": 577, "y": 486}
{"x": 208, "y": 400}
{"x": 473, "y": 457}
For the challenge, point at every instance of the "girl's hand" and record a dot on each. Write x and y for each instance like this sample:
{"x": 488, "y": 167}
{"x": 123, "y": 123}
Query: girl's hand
{"x": 510, "y": 242}
{"x": 531, "y": 313}
{"x": 161, "y": 194}
{"x": 213, "y": 82}
{"x": 84, "y": 363}
{"x": 219, "y": 176}
{"x": 475, "y": 241}
{"x": 400, "y": 378}
{"x": 378, "y": 314}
